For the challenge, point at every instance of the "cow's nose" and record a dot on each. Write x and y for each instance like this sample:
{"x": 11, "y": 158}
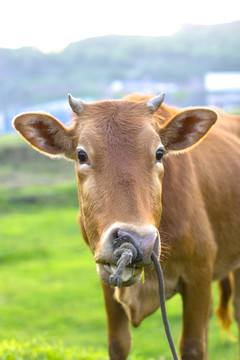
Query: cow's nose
{"x": 146, "y": 238}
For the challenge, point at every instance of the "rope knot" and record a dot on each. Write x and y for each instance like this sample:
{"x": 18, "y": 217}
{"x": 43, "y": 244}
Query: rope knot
{"x": 124, "y": 255}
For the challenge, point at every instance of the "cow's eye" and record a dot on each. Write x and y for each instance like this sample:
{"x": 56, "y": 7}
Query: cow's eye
{"x": 159, "y": 154}
{"x": 82, "y": 157}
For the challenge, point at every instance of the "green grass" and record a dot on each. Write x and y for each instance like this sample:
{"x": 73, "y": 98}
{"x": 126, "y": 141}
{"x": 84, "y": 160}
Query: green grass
{"x": 51, "y": 304}
{"x": 37, "y": 350}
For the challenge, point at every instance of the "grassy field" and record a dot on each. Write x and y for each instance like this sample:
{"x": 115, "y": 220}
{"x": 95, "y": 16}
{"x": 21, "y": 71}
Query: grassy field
{"x": 51, "y": 304}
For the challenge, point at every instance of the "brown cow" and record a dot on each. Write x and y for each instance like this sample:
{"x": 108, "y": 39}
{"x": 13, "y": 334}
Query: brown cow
{"x": 136, "y": 178}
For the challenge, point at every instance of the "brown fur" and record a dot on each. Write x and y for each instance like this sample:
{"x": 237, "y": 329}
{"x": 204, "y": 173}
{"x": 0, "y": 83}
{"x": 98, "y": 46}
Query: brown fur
{"x": 192, "y": 198}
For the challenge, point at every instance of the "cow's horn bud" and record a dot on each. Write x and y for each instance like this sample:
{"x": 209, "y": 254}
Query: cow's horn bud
{"x": 76, "y": 105}
{"x": 156, "y": 102}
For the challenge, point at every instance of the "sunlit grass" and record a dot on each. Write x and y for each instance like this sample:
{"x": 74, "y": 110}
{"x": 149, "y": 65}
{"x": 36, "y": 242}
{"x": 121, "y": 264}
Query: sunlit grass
{"x": 38, "y": 350}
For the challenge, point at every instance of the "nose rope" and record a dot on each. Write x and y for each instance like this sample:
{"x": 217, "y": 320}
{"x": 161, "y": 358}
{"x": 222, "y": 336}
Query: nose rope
{"x": 125, "y": 254}
{"x": 163, "y": 305}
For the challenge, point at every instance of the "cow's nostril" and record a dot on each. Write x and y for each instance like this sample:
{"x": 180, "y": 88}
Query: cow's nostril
{"x": 115, "y": 235}
{"x": 126, "y": 242}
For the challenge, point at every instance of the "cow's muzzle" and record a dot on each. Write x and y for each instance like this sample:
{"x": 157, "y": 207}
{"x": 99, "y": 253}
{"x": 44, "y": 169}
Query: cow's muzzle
{"x": 143, "y": 240}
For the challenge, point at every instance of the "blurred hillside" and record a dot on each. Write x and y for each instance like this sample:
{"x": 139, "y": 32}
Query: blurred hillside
{"x": 87, "y": 67}
{"x": 114, "y": 65}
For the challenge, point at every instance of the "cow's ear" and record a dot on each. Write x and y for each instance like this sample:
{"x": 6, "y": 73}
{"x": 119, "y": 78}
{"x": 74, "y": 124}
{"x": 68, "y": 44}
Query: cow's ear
{"x": 45, "y": 133}
{"x": 187, "y": 128}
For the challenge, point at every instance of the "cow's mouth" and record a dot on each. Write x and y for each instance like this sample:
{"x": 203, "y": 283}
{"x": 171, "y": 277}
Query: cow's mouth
{"x": 130, "y": 274}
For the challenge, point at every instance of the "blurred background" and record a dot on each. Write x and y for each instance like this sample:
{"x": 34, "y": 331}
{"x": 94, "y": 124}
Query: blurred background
{"x": 51, "y": 305}
{"x": 107, "y": 49}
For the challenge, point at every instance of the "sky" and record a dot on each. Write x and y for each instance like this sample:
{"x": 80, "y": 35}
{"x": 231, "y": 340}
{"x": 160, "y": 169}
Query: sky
{"x": 51, "y": 25}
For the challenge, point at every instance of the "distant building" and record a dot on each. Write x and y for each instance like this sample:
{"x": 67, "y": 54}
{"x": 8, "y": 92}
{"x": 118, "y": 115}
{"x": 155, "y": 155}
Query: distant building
{"x": 223, "y": 89}
{"x": 2, "y": 123}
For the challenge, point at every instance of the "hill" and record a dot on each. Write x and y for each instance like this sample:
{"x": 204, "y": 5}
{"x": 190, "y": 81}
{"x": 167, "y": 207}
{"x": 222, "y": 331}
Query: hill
{"x": 86, "y": 68}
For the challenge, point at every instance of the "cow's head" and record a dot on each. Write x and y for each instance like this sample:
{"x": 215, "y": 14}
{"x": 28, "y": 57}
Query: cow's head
{"x": 118, "y": 147}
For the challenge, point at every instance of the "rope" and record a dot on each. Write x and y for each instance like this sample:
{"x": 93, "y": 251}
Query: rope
{"x": 126, "y": 253}
{"x": 124, "y": 260}
{"x": 163, "y": 305}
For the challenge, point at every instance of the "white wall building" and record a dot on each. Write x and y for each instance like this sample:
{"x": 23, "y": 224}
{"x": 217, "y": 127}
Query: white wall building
{"x": 223, "y": 89}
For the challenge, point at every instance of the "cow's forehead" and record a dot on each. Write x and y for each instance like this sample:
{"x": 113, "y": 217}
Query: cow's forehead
{"x": 101, "y": 114}
{"x": 114, "y": 122}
